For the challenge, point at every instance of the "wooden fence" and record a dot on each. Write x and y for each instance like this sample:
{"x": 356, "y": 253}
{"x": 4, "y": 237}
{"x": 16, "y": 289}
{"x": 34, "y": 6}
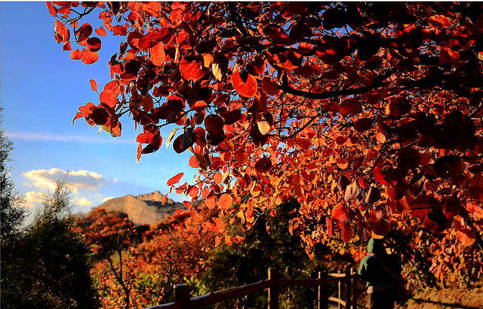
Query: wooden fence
{"x": 346, "y": 297}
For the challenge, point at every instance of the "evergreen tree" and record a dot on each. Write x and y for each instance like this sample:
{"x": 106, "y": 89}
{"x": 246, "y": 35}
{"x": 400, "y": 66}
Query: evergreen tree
{"x": 51, "y": 265}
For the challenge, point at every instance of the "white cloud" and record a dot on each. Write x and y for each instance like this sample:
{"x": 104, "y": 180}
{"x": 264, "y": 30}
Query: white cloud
{"x": 45, "y": 179}
{"x": 82, "y": 201}
{"x": 66, "y": 138}
{"x": 32, "y": 198}
{"x": 107, "y": 199}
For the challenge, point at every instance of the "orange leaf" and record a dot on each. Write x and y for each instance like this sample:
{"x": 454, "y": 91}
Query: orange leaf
{"x": 89, "y": 57}
{"x": 93, "y": 85}
{"x": 165, "y": 198}
{"x": 101, "y": 31}
{"x": 225, "y": 201}
{"x": 439, "y": 21}
{"x": 340, "y": 212}
{"x": 175, "y": 179}
{"x": 193, "y": 162}
{"x": 157, "y": 54}
{"x": 210, "y": 203}
{"x": 109, "y": 98}
{"x": 218, "y": 178}
{"x": 191, "y": 70}
{"x": 241, "y": 156}
{"x": 247, "y": 88}
{"x": 229, "y": 240}
{"x": 76, "y": 54}
{"x": 465, "y": 236}
{"x": 342, "y": 163}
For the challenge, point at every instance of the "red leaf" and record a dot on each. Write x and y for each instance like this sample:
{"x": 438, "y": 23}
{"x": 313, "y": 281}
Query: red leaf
{"x": 346, "y": 231}
{"x": 381, "y": 227}
{"x": 247, "y": 88}
{"x": 191, "y": 70}
{"x": 175, "y": 179}
{"x": 225, "y": 201}
{"x": 62, "y": 34}
{"x": 214, "y": 123}
{"x": 340, "y": 212}
{"x": 263, "y": 165}
{"x": 93, "y": 85}
{"x": 379, "y": 176}
{"x": 270, "y": 87}
{"x": 100, "y": 116}
{"x": 109, "y": 98}
{"x": 157, "y": 54}
{"x": 52, "y": 9}
{"x": 84, "y": 32}
{"x": 119, "y": 30}
{"x": 94, "y": 44}
{"x": 89, "y": 57}
{"x": 101, "y": 31}
{"x": 363, "y": 124}
{"x": 165, "y": 199}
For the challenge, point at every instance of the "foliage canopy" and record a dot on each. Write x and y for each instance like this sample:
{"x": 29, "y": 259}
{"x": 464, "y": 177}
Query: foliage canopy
{"x": 366, "y": 112}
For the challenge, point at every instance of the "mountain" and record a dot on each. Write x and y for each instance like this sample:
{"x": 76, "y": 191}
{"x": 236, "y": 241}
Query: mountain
{"x": 144, "y": 208}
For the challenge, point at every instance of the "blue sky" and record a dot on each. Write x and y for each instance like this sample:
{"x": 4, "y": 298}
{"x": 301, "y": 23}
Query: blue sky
{"x": 41, "y": 90}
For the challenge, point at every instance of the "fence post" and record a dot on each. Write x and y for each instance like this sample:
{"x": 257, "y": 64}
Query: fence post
{"x": 273, "y": 290}
{"x": 182, "y": 292}
{"x": 354, "y": 289}
{"x": 348, "y": 288}
{"x": 323, "y": 293}
{"x": 339, "y": 292}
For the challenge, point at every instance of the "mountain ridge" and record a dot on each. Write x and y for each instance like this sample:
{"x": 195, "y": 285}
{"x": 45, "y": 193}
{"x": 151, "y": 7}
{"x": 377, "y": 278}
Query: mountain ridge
{"x": 143, "y": 208}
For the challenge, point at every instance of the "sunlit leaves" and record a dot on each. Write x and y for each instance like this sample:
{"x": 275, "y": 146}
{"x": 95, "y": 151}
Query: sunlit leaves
{"x": 366, "y": 127}
{"x": 93, "y": 84}
{"x": 191, "y": 70}
{"x": 89, "y": 57}
{"x": 245, "y": 85}
{"x": 175, "y": 179}
{"x": 157, "y": 54}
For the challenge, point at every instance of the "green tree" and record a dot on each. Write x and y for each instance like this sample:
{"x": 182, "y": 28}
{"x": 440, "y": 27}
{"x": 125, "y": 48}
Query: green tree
{"x": 248, "y": 261}
{"x": 11, "y": 215}
{"x": 51, "y": 266}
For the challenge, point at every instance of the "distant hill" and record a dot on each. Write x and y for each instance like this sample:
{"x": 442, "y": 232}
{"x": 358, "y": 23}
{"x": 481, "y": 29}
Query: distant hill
{"x": 143, "y": 209}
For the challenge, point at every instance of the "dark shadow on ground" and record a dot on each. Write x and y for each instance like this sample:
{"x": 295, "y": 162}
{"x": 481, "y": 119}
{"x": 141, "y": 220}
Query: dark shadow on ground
{"x": 446, "y": 305}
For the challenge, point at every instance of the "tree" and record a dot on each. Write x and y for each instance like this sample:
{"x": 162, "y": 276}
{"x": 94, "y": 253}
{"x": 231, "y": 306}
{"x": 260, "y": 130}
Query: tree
{"x": 109, "y": 235}
{"x": 11, "y": 215}
{"x": 50, "y": 266}
{"x": 365, "y": 112}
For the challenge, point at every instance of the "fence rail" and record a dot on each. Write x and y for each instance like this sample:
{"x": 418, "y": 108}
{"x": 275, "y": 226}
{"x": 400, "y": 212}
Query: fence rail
{"x": 346, "y": 281}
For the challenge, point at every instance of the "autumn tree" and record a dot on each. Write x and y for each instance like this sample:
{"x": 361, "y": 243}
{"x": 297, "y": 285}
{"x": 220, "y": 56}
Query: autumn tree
{"x": 110, "y": 236}
{"x": 365, "y": 112}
